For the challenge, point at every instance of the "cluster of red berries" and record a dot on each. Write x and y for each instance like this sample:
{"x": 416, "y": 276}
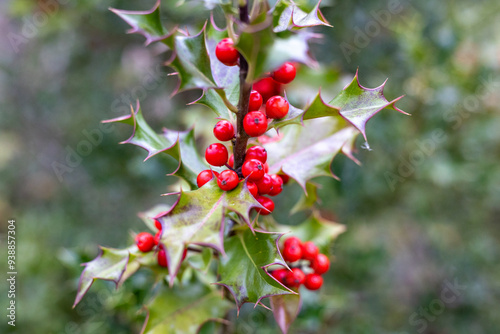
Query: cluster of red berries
{"x": 302, "y": 256}
{"x": 146, "y": 242}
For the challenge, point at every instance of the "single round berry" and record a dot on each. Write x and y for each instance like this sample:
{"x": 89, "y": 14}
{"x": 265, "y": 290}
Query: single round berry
{"x": 255, "y": 123}
{"x": 285, "y": 74}
{"x": 162, "y": 258}
{"x": 158, "y": 224}
{"x": 253, "y": 169}
{"x": 144, "y": 241}
{"x": 280, "y": 274}
{"x": 285, "y": 178}
{"x": 292, "y": 252}
{"x": 228, "y": 180}
{"x": 227, "y": 53}
{"x": 277, "y": 107}
{"x": 277, "y": 185}
{"x": 255, "y": 101}
{"x": 157, "y": 237}
{"x": 267, "y": 87}
{"x": 292, "y": 240}
{"x": 309, "y": 250}
{"x": 216, "y": 154}
{"x": 295, "y": 278}
{"x": 253, "y": 189}
{"x": 313, "y": 281}
{"x": 265, "y": 184}
{"x": 267, "y": 203}
{"x": 224, "y": 130}
{"x": 204, "y": 177}
{"x": 231, "y": 161}
{"x": 256, "y": 152}
{"x": 320, "y": 264}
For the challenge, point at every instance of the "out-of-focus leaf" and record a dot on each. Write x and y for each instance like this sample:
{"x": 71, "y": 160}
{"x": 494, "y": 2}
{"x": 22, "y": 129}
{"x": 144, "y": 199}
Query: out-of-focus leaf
{"x": 148, "y": 216}
{"x": 243, "y": 270}
{"x": 184, "y": 309}
{"x": 180, "y": 145}
{"x": 285, "y": 310}
{"x": 287, "y": 15}
{"x": 201, "y": 261}
{"x": 308, "y": 199}
{"x": 306, "y": 152}
{"x": 198, "y": 218}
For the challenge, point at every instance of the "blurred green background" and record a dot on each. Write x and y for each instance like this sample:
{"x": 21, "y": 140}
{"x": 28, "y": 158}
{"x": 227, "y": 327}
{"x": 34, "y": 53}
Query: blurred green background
{"x": 422, "y": 246}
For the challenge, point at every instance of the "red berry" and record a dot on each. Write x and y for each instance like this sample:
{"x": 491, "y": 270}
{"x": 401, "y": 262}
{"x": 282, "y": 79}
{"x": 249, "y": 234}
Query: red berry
{"x": 144, "y": 241}
{"x": 285, "y": 74}
{"x": 313, "y": 281}
{"x": 253, "y": 189}
{"x": 227, "y": 53}
{"x": 255, "y": 101}
{"x": 266, "y": 167}
{"x": 292, "y": 240}
{"x": 309, "y": 250}
{"x": 216, "y": 154}
{"x": 267, "y": 87}
{"x": 280, "y": 274}
{"x": 285, "y": 178}
{"x": 157, "y": 237}
{"x": 228, "y": 180}
{"x": 266, "y": 203}
{"x": 265, "y": 184}
{"x": 277, "y": 185}
{"x": 256, "y": 152}
{"x": 231, "y": 161}
{"x": 224, "y": 130}
{"x": 253, "y": 169}
{"x": 277, "y": 107}
{"x": 158, "y": 224}
{"x": 320, "y": 264}
{"x": 255, "y": 123}
{"x": 292, "y": 252}
{"x": 162, "y": 258}
{"x": 295, "y": 278}
{"x": 204, "y": 177}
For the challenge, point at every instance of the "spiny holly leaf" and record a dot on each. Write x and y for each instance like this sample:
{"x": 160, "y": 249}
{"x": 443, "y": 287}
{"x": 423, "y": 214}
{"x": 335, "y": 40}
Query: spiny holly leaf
{"x": 180, "y": 145}
{"x": 184, "y": 309}
{"x": 308, "y": 199}
{"x": 244, "y": 268}
{"x": 306, "y": 152}
{"x": 198, "y": 218}
{"x": 266, "y": 51}
{"x": 358, "y": 104}
{"x": 146, "y": 23}
{"x": 109, "y": 265}
{"x": 148, "y": 217}
{"x": 285, "y": 308}
{"x": 287, "y": 15}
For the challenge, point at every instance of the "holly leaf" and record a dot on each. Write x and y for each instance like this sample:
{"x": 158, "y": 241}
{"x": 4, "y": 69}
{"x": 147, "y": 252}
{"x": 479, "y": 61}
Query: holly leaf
{"x": 287, "y": 15}
{"x": 109, "y": 265}
{"x": 201, "y": 261}
{"x": 285, "y": 309}
{"x": 198, "y": 218}
{"x": 179, "y": 145}
{"x": 184, "y": 309}
{"x": 147, "y": 23}
{"x": 306, "y": 152}
{"x": 308, "y": 199}
{"x": 148, "y": 217}
{"x": 243, "y": 270}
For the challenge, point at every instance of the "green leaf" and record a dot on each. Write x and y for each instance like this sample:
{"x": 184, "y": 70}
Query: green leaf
{"x": 287, "y": 15}
{"x": 285, "y": 308}
{"x": 148, "y": 217}
{"x": 306, "y": 152}
{"x": 243, "y": 270}
{"x": 198, "y": 218}
{"x": 109, "y": 265}
{"x": 358, "y": 104}
{"x": 146, "y": 23}
{"x": 180, "y": 145}
{"x": 184, "y": 309}
{"x": 308, "y": 199}
{"x": 202, "y": 260}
